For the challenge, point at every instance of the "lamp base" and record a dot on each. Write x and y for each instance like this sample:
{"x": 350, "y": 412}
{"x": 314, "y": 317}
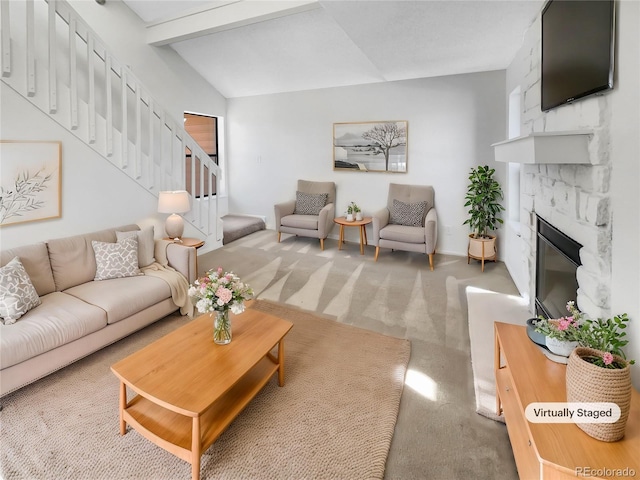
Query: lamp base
{"x": 174, "y": 226}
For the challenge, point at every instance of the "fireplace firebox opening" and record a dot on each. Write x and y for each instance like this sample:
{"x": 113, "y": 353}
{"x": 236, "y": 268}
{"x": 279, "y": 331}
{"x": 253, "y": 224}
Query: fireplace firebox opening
{"x": 557, "y": 260}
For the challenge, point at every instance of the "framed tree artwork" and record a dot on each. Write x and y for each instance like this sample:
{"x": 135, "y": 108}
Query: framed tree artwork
{"x": 30, "y": 181}
{"x": 370, "y": 146}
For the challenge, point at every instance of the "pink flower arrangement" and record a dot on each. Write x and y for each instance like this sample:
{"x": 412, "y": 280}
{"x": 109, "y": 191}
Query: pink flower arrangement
{"x": 604, "y": 335}
{"x": 565, "y": 323}
{"x": 219, "y": 291}
{"x": 564, "y": 328}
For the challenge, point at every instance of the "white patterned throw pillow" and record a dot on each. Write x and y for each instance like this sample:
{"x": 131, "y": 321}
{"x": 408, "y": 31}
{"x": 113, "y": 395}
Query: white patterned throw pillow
{"x": 409, "y": 214}
{"x": 116, "y": 260}
{"x": 310, "y": 203}
{"x": 17, "y": 293}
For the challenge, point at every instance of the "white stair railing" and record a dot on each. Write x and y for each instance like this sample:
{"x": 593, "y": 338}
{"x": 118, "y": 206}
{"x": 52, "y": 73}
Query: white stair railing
{"x": 51, "y": 57}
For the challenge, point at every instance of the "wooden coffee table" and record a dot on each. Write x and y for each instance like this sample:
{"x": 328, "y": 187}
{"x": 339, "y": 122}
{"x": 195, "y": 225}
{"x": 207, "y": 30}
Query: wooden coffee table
{"x": 189, "y": 389}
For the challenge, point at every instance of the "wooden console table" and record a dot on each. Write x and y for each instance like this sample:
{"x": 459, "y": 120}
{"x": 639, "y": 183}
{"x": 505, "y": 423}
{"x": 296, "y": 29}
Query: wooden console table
{"x": 553, "y": 450}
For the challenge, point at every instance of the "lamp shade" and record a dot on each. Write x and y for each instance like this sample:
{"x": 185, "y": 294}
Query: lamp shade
{"x": 173, "y": 202}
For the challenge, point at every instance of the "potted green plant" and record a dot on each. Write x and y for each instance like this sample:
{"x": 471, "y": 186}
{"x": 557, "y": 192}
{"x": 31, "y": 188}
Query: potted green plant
{"x": 597, "y": 369}
{"x": 483, "y": 199}
{"x": 349, "y": 215}
{"x": 356, "y": 210}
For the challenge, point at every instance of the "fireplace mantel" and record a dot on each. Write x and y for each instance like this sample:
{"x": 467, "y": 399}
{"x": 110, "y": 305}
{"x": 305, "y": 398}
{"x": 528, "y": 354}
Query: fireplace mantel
{"x": 547, "y": 147}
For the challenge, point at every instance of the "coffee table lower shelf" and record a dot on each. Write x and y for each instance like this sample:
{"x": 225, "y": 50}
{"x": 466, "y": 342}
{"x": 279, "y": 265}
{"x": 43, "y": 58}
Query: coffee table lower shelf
{"x": 187, "y": 435}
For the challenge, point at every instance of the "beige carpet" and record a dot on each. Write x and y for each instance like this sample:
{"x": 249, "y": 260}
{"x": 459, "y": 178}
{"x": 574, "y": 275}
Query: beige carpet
{"x": 334, "y": 418}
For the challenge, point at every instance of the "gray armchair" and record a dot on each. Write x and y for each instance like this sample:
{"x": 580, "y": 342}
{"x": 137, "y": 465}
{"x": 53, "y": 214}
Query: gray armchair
{"x": 311, "y": 214}
{"x": 408, "y": 222}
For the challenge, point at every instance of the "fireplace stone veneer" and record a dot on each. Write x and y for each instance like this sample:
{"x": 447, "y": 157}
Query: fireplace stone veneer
{"x": 575, "y": 198}
{"x": 572, "y": 198}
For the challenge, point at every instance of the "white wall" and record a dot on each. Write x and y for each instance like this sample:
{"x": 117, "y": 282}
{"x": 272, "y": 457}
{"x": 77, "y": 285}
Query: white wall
{"x": 274, "y": 140}
{"x": 625, "y": 156}
{"x": 95, "y": 194}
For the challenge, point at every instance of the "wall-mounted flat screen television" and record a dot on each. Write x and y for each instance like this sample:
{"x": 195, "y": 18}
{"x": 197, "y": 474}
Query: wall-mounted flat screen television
{"x": 577, "y": 50}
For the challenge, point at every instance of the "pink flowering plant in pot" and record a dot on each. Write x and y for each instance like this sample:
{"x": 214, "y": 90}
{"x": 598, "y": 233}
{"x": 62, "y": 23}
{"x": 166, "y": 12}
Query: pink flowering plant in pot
{"x": 604, "y": 336}
{"x": 561, "y": 334}
{"x": 216, "y": 293}
{"x": 598, "y": 370}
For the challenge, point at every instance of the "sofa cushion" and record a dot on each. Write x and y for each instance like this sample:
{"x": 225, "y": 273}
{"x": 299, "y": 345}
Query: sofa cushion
{"x": 17, "y": 293}
{"x": 308, "y": 222}
{"x": 116, "y": 260}
{"x": 58, "y": 320}
{"x": 403, "y": 233}
{"x": 35, "y": 259}
{"x": 122, "y": 297}
{"x": 409, "y": 214}
{"x": 310, "y": 203}
{"x": 146, "y": 244}
{"x": 72, "y": 259}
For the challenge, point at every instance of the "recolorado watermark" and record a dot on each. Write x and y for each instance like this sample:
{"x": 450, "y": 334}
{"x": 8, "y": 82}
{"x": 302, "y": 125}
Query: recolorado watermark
{"x": 572, "y": 412}
{"x": 588, "y": 472}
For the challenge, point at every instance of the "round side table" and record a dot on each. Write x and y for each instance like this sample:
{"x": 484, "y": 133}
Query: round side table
{"x": 188, "y": 241}
{"x": 343, "y": 222}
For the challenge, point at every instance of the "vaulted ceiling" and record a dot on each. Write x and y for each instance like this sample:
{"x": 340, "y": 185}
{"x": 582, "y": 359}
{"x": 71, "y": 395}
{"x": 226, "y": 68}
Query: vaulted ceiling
{"x": 254, "y": 47}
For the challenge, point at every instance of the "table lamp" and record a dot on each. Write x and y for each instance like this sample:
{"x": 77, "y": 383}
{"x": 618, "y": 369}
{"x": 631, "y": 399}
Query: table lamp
{"x": 174, "y": 202}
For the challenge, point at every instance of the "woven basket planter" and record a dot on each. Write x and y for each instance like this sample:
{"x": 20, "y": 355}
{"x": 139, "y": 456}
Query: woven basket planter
{"x": 587, "y": 382}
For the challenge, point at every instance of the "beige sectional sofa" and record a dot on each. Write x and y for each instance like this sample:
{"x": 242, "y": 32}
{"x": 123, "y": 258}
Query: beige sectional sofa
{"x": 77, "y": 314}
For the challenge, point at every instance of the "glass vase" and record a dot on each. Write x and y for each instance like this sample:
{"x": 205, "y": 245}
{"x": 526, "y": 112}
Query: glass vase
{"x": 222, "y": 327}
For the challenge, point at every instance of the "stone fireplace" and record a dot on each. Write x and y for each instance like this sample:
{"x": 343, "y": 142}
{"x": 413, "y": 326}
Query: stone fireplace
{"x": 566, "y": 184}
{"x": 574, "y": 200}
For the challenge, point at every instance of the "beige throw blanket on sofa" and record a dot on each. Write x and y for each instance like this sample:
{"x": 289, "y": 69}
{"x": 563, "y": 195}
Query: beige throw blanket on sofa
{"x": 177, "y": 283}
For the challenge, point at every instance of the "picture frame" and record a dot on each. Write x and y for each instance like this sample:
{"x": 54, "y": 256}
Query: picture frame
{"x": 30, "y": 181}
{"x": 370, "y": 146}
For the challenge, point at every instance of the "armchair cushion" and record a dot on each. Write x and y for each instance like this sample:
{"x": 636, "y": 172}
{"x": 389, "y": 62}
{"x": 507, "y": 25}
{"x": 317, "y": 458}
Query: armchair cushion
{"x": 308, "y": 222}
{"x": 403, "y": 233}
{"x": 409, "y": 214}
{"x": 310, "y": 203}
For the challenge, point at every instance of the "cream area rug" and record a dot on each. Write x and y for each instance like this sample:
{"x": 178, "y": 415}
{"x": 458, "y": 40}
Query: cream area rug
{"x": 486, "y": 307}
{"x": 334, "y": 418}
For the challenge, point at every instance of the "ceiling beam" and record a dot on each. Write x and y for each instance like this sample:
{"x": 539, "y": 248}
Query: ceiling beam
{"x": 222, "y": 16}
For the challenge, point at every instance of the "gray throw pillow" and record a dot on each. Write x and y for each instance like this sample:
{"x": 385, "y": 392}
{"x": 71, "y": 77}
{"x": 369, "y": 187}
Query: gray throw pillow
{"x": 116, "y": 260}
{"x": 146, "y": 244}
{"x": 310, "y": 203}
{"x": 17, "y": 293}
{"x": 409, "y": 214}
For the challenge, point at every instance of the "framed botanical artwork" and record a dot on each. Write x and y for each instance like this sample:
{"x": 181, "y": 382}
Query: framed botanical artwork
{"x": 30, "y": 181}
{"x": 370, "y": 146}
